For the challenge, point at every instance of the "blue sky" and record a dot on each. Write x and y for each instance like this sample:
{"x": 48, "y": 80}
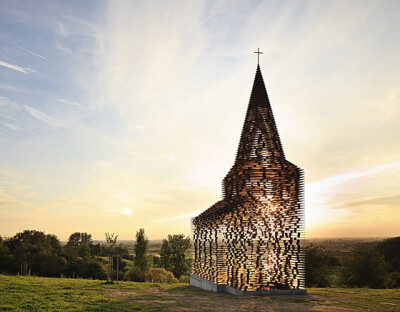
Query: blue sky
{"x": 119, "y": 115}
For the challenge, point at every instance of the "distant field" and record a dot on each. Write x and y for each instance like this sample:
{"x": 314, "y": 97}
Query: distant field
{"x": 19, "y": 293}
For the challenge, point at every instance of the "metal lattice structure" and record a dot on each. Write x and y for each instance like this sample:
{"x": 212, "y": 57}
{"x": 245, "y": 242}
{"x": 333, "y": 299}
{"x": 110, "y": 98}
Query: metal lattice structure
{"x": 250, "y": 240}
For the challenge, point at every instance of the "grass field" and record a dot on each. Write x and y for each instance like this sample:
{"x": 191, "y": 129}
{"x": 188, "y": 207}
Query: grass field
{"x": 19, "y": 293}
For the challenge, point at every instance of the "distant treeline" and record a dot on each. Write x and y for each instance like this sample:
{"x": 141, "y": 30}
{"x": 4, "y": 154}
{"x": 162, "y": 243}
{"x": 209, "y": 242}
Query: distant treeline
{"x": 39, "y": 254}
{"x": 370, "y": 264}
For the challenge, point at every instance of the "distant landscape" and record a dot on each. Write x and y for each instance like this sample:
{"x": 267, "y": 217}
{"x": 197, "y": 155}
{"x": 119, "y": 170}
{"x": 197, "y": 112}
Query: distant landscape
{"x": 340, "y": 246}
{"x": 330, "y": 262}
{"x": 337, "y": 266}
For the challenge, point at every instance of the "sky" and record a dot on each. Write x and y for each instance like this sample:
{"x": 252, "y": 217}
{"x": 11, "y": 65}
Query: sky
{"x": 116, "y": 115}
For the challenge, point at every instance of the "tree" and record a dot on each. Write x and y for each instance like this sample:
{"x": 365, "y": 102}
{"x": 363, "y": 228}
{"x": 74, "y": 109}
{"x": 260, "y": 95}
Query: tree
{"x": 366, "y": 267}
{"x": 155, "y": 259}
{"x": 173, "y": 254}
{"x": 80, "y": 243}
{"x": 141, "y": 258}
{"x": 92, "y": 268}
{"x": 77, "y": 239}
{"x": 41, "y": 252}
{"x": 111, "y": 240}
{"x": 6, "y": 260}
{"x": 74, "y": 239}
{"x": 390, "y": 249}
{"x": 74, "y": 267}
{"x": 320, "y": 266}
{"x": 95, "y": 249}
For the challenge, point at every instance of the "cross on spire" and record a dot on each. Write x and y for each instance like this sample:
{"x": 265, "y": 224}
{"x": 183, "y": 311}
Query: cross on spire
{"x": 258, "y": 56}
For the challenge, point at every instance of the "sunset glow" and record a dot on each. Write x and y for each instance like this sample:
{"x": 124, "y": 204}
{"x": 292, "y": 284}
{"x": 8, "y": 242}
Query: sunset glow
{"x": 127, "y": 114}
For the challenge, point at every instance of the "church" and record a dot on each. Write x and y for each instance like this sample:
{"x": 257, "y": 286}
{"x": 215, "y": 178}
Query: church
{"x": 250, "y": 241}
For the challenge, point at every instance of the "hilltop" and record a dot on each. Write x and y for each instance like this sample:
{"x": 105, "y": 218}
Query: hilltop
{"x": 18, "y": 293}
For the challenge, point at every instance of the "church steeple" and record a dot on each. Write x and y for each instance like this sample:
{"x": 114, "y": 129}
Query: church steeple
{"x": 250, "y": 240}
{"x": 260, "y": 139}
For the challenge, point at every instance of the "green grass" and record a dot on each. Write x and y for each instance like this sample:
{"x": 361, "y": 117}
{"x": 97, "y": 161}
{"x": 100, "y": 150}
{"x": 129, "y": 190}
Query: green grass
{"x": 18, "y": 293}
{"x": 104, "y": 260}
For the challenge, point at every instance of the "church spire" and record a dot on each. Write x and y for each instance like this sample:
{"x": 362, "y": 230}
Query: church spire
{"x": 260, "y": 138}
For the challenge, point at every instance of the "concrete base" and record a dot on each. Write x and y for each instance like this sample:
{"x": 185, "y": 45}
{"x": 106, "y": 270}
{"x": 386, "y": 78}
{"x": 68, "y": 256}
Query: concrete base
{"x": 202, "y": 283}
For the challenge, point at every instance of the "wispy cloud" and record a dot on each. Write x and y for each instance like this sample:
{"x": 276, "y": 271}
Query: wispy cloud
{"x": 5, "y": 101}
{"x": 38, "y": 114}
{"x": 9, "y": 88}
{"x": 69, "y": 102}
{"x": 326, "y": 185}
{"x": 7, "y": 117}
{"x": 353, "y": 195}
{"x": 26, "y": 50}
{"x": 391, "y": 200}
{"x": 12, "y": 127}
{"x": 20, "y": 69}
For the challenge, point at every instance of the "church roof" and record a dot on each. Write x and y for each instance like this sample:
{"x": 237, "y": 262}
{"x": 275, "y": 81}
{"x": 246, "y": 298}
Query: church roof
{"x": 259, "y": 135}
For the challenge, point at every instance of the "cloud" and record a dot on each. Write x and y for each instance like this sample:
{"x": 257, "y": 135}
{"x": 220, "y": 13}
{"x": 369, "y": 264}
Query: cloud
{"x": 20, "y": 69}
{"x": 189, "y": 85}
{"x": 328, "y": 184}
{"x": 9, "y": 88}
{"x": 393, "y": 200}
{"x": 9, "y": 103}
{"x": 26, "y": 50}
{"x": 69, "y": 102}
{"x": 12, "y": 127}
{"x": 38, "y": 114}
{"x": 10, "y": 204}
{"x": 353, "y": 196}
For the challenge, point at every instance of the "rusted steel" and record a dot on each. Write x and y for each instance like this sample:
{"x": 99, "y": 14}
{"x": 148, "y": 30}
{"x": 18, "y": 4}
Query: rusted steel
{"x": 250, "y": 240}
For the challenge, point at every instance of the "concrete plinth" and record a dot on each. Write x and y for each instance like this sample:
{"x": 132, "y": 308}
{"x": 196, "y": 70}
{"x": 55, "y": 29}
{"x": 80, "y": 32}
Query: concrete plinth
{"x": 202, "y": 283}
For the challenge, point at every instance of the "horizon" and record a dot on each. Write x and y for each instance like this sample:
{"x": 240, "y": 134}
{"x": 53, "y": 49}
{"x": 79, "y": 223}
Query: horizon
{"x": 116, "y": 116}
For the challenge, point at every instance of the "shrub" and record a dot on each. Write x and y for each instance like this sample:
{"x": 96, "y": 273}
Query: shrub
{"x": 184, "y": 279}
{"x": 93, "y": 269}
{"x": 392, "y": 280}
{"x": 160, "y": 275}
{"x": 134, "y": 274}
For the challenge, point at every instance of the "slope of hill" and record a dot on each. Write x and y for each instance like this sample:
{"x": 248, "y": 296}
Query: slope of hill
{"x": 19, "y": 293}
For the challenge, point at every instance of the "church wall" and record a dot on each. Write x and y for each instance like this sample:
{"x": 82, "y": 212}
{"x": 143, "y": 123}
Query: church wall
{"x": 255, "y": 245}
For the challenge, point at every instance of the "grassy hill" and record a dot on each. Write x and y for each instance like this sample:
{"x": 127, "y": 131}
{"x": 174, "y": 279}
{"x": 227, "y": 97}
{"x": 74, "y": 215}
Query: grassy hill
{"x": 18, "y": 293}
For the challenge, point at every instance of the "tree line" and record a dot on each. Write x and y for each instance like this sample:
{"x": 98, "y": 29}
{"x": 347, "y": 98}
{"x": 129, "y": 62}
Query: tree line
{"x": 374, "y": 265}
{"x": 39, "y": 254}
